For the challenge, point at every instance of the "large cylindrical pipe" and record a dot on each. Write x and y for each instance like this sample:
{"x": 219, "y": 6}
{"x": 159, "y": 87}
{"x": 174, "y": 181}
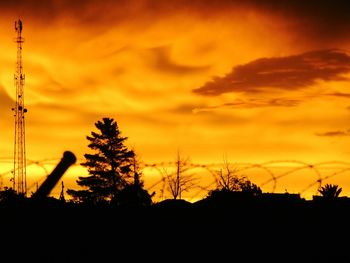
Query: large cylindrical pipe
{"x": 45, "y": 188}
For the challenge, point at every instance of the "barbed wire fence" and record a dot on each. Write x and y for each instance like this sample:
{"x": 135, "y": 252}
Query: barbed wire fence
{"x": 271, "y": 176}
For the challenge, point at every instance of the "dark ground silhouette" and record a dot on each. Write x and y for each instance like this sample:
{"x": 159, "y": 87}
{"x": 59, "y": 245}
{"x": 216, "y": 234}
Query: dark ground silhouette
{"x": 236, "y": 228}
{"x": 225, "y": 226}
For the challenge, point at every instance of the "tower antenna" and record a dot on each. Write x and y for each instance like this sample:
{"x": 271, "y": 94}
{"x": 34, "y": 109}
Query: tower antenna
{"x": 19, "y": 169}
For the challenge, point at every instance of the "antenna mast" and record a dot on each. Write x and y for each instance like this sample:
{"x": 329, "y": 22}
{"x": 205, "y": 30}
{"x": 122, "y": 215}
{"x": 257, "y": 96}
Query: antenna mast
{"x": 19, "y": 169}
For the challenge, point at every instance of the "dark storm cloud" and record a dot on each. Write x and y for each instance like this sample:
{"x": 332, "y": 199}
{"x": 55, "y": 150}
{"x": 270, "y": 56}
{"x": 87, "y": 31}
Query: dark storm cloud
{"x": 334, "y": 133}
{"x": 286, "y": 73}
{"x": 312, "y": 20}
{"x": 316, "y": 20}
{"x": 86, "y": 12}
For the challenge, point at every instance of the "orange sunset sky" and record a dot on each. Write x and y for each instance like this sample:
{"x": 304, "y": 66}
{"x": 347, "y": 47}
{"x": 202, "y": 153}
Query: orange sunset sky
{"x": 250, "y": 80}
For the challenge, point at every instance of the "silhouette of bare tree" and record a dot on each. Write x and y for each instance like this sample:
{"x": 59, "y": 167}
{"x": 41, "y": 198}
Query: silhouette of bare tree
{"x": 179, "y": 182}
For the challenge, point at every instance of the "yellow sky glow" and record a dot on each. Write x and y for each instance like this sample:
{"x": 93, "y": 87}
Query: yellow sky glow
{"x": 141, "y": 69}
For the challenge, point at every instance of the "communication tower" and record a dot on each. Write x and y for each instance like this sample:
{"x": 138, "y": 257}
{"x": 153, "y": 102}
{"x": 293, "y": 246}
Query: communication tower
{"x": 19, "y": 169}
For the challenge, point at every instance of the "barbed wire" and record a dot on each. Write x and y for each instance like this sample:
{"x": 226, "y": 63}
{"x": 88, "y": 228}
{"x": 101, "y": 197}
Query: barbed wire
{"x": 207, "y": 174}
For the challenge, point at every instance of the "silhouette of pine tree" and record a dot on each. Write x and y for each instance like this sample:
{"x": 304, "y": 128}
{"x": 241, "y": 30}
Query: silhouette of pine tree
{"x": 109, "y": 167}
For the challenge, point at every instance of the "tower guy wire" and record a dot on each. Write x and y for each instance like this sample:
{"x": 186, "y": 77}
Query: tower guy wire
{"x": 19, "y": 168}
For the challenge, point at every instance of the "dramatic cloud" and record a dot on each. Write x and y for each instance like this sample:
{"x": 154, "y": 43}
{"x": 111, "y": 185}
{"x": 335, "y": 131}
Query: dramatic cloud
{"x": 288, "y": 73}
{"x": 334, "y": 133}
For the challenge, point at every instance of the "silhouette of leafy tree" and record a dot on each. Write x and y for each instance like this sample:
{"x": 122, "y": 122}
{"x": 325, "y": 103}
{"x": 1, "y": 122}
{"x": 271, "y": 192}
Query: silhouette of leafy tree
{"x": 248, "y": 187}
{"x": 8, "y": 194}
{"x": 134, "y": 195}
{"x": 9, "y": 197}
{"x": 228, "y": 181}
{"x": 330, "y": 191}
{"x": 109, "y": 167}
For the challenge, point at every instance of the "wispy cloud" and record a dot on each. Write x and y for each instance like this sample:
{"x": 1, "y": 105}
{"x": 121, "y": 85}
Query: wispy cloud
{"x": 334, "y": 133}
{"x": 161, "y": 60}
{"x": 339, "y": 94}
{"x": 251, "y": 103}
{"x": 284, "y": 73}
{"x": 6, "y": 100}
